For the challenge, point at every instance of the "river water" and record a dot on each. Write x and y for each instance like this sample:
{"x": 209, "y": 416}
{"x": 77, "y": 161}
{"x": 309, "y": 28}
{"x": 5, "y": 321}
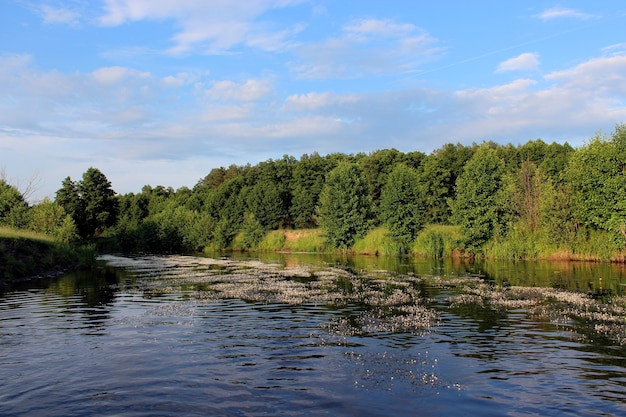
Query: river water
{"x": 305, "y": 335}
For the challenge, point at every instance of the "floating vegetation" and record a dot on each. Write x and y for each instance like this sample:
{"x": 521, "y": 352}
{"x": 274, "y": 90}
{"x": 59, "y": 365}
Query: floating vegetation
{"x": 589, "y": 316}
{"x": 372, "y": 302}
{"x": 387, "y": 303}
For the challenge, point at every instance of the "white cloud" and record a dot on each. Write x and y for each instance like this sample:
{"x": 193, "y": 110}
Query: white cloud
{"x": 560, "y": 12}
{"x": 250, "y": 90}
{"x": 314, "y": 101}
{"x": 119, "y": 118}
{"x": 58, "y": 15}
{"x": 605, "y": 75}
{"x": 114, "y": 75}
{"x": 524, "y": 62}
{"x": 365, "y": 29}
{"x": 367, "y": 47}
{"x": 615, "y": 49}
{"x": 206, "y": 27}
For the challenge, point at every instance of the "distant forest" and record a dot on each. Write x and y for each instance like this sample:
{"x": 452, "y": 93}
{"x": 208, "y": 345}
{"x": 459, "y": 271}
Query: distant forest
{"x": 530, "y": 201}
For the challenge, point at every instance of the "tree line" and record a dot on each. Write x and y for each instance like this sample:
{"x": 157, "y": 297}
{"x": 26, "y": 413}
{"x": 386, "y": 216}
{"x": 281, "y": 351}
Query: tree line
{"x": 524, "y": 201}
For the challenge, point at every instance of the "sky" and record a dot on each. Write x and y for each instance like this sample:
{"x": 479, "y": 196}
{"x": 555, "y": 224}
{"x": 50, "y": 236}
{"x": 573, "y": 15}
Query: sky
{"x": 159, "y": 92}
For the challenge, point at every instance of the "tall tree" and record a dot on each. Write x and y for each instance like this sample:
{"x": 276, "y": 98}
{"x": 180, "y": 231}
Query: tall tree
{"x": 402, "y": 204}
{"x": 376, "y": 167}
{"x": 597, "y": 176}
{"x": 344, "y": 210}
{"x": 438, "y": 174}
{"x": 476, "y": 207}
{"x": 308, "y": 180}
{"x": 90, "y": 202}
{"x": 13, "y": 207}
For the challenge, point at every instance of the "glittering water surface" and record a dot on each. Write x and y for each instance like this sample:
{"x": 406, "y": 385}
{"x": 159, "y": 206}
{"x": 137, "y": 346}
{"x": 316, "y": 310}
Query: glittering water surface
{"x": 174, "y": 336}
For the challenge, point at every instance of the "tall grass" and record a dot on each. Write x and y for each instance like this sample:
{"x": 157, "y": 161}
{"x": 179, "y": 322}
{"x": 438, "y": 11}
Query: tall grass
{"x": 25, "y": 253}
{"x": 378, "y": 242}
{"x": 304, "y": 240}
{"x": 273, "y": 241}
{"x": 10, "y": 233}
{"x": 521, "y": 243}
{"x": 437, "y": 241}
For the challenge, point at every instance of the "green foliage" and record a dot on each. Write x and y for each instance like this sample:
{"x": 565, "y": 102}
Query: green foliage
{"x": 529, "y": 201}
{"x": 273, "y": 241}
{"x": 90, "y": 202}
{"x": 437, "y": 241}
{"x": 264, "y": 202}
{"x": 376, "y": 167}
{"x": 307, "y": 184}
{"x": 344, "y": 209}
{"x": 402, "y": 205}
{"x": 13, "y": 208}
{"x": 24, "y": 253}
{"x": 438, "y": 174}
{"x": 597, "y": 177}
{"x": 522, "y": 195}
{"x": 252, "y": 233}
{"x": 304, "y": 240}
{"x": 378, "y": 242}
{"x": 476, "y": 208}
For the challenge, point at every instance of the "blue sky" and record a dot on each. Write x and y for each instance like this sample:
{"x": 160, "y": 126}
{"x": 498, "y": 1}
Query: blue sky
{"x": 160, "y": 92}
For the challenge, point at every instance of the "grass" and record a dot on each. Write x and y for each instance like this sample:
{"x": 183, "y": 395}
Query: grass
{"x": 273, "y": 241}
{"x": 377, "y": 242}
{"x": 26, "y": 254}
{"x": 304, "y": 240}
{"x": 437, "y": 241}
{"x": 10, "y": 233}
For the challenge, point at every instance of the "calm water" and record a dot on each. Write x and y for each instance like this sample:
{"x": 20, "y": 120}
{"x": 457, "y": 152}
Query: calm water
{"x": 146, "y": 341}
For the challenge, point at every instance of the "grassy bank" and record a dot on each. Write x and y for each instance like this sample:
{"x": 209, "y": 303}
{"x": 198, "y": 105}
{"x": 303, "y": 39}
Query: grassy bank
{"x": 26, "y": 254}
{"x": 444, "y": 241}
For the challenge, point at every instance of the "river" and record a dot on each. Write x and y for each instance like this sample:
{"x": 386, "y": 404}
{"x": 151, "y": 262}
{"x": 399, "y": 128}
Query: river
{"x": 309, "y": 335}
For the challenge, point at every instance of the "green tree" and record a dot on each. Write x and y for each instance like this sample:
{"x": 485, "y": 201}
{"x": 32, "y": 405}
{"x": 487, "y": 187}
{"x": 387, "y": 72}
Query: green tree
{"x": 402, "y": 204}
{"x": 13, "y": 208}
{"x": 344, "y": 210}
{"x": 47, "y": 217}
{"x": 376, "y": 167}
{"x": 597, "y": 177}
{"x": 266, "y": 205}
{"x": 438, "y": 174}
{"x": 90, "y": 202}
{"x": 477, "y": 207}
{"x": 524, "y": 191}
{"x": 308, "y": 181}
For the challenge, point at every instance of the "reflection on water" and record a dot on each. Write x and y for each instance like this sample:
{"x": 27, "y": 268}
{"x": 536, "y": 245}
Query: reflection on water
{"x": 315, "y": 335}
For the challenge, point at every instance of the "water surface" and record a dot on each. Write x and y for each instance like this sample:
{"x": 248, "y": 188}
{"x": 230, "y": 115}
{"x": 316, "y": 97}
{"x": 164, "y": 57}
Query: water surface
{"x": 174, "y": 336}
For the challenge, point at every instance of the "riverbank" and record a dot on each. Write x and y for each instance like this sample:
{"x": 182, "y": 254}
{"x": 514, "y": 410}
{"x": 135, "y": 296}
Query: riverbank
{"x": 27, "y": 255}
{"x": 436, "y": 241}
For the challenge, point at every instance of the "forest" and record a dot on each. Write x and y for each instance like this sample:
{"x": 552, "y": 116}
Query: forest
{"x": 530, "y": 201}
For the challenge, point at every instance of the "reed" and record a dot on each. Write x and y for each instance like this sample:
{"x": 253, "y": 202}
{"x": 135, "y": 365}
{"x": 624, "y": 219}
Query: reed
{"x": 273, "y": 241}
{"x": 437, "y": 241}
{"x": 378, "y": 242}
{"x": 304, "y": 240}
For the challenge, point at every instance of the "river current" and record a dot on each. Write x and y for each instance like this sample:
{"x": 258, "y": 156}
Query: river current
{"x": 192, "y": 336}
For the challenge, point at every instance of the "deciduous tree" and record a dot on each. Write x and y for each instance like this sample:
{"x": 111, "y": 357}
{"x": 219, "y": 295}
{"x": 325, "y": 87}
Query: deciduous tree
{"x": 344, "y": 210}
{"x": 402, "y": 204}
{"x": 476, "y": 206}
